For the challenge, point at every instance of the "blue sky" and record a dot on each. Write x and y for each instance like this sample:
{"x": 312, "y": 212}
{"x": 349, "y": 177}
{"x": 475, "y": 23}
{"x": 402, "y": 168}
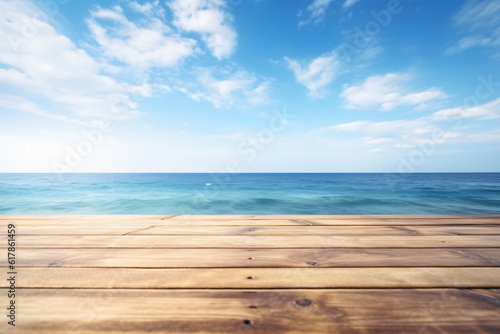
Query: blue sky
{"x": 249, "y": 86}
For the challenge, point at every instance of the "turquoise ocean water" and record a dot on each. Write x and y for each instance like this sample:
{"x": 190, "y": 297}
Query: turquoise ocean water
{"x": 440, "y": 193}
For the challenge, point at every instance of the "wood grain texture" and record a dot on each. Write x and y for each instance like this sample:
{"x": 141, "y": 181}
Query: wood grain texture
{"x": 47, "y": 311}
{"x": 196, "y": 241}
{"x": 344, "y": 217}
{"x": 244, "y": 220}
{"x": 317, "y": 230}
{"x": 119, "y": 278}
{"x": 79, "y": 230}
{"x": 260, "y": 230}
{"x": 248, "y": 258}
{"x": 264, "y": 274}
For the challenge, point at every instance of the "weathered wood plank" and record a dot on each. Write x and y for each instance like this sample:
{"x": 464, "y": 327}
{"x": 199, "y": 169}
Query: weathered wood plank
{"x": 490, "y": 255}
{"x": 279, "y": 220}
{"x": 347, "y": 217}
{"x": 86, "y": 217}
{"x": 259, "y": 311}
{"x": 405, "y": 222}
{"x": 108, "y": 229}
{"x": 110, "y": 220}
{"x": 319, "y": 230}
{"x": 116, "y": 278}
{"x": 224, "y": 230}
{"x": 161, "y": 254}
{"x": 248, "y": 258}
{"x": 454, "y": 229}
{"x": 232, "y": 217}
{"x": 259, "y": 230}
{"x": 195, "y": 241}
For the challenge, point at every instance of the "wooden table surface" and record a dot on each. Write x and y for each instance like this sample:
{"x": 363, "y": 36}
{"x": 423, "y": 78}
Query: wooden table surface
{"x": 262, "y": 274}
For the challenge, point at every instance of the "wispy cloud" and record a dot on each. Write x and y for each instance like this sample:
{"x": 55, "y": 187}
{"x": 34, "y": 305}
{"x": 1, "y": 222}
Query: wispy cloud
{"x": 150, "y": 44}
{"x": 316, "y": 11}
{"x": 401, "y": 134}
{"x": 316, "y": 74}
{"x": 396, "y": 127}
{"x": 22, "y": 104}
{"x": 50, "y": 67}
{"x": 349, "y": 3}
{"x": 423, "y": 125}
{"x": 210, "y": 19}
{"x": 436, "y": 127}
{"x": 386, "y": 92}
{"x": 148, "y": 8}
{"x": 490, "y": 110}
{"x": 492, "y": 136}
{"x": 377, "y": 141}
{"x": 226, "y": 88}
{"x": 479, "y": 24}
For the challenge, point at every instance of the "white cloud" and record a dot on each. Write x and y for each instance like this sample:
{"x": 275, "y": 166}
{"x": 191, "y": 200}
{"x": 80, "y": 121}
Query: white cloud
{"x": 387, "y": 92}
{"x": 318, "y": 11}
{"x": 448, "y": 135}
{"x": 489, "y": 136}
{"x": 148, "y": 8}
{"x": 404, "y": 145}
{"x": 435, "y": 127}
{"x": 396, "y": 134}
{"x": 150, "y": 44}
{"x": 423, "y": 127}
{"x": 50, "y": 67}
{"x": 316, "y": 74}
{"x": 19, "y": 103}
{"x": 208, "y": 18}
{"x": 377, "y": 141}
{"x": 490, "y": 110}
{"x": 225, "y": 88}
{"x": 402, "y": 127}
{"x": 479, "y": 24}
{"x": 349, "y": 3}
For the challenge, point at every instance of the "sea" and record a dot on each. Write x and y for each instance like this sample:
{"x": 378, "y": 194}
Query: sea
{"x": 262, "y": 193}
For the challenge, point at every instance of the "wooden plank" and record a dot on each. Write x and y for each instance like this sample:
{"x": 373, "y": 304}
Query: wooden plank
{"x": 487, "y": 254}
{"x": 43, "y": 220}
{"x": 259, "y": 311}
{"x": 248, "y": 258}
{"x": 260, "y": 230}
{"x": 86, "y": 217}
{"x": 209, "y": 278}
{"x": 318, "y": 230}
{"x": 455, "y": 229}
{"x": 79, "y": 230}
{"x": 220, "y": 230}
{"x": 256, "y": 222}
{"x": 279, "y": 220}
{"x": 345, "y": 217}
{"x": 405, "y": 222}
{"x": 110, "y": 220}
{"x": 232, "y": 217}
{"x": 195, "y": 241}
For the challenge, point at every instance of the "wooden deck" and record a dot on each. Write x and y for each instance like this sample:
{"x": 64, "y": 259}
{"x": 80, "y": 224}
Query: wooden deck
{"x": 262, "y": 274}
